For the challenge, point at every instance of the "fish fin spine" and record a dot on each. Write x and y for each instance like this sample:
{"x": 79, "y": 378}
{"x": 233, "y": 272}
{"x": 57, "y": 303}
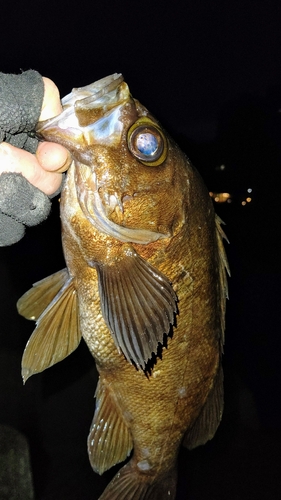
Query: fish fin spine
{"x": 223, "y": 272}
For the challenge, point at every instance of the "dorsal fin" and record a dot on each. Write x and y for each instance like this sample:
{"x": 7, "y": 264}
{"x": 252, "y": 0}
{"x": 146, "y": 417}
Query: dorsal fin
{"x": 57, "y": 333}
{"x": 209, "y": 418}
{"x": 109, "y": 440}
{"x": 223, "y": 271}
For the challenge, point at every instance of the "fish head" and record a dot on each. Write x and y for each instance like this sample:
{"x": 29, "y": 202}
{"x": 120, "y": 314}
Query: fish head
{"x": 131, "y": 178}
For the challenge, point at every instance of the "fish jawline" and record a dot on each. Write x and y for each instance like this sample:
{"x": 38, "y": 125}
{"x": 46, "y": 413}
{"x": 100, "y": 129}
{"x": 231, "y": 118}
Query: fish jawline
{"x": 93, "y": 209}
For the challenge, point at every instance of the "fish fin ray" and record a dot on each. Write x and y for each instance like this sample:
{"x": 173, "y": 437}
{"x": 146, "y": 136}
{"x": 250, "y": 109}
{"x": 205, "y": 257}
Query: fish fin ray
{"x": 209, "y": 418}
{"x": 36, "y": 300}
{"x": 138, "y": 304}
{"x": 223, "y": 271}
{"x": 57, "y": 333}
{"x": 131, "y": 484}
{"x": 109, "y": 440}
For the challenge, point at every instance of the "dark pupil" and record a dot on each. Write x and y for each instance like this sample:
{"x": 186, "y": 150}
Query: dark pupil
{"x": 147, "y": 143}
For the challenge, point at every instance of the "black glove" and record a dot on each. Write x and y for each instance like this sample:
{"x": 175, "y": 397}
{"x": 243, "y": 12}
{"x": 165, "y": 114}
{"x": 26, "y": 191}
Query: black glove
{"x": 21, "y": 203}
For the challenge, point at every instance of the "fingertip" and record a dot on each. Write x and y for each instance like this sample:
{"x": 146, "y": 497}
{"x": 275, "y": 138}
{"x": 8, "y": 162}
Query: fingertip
{"x": 51, "y": 105}
{"x": 53, "y": 157}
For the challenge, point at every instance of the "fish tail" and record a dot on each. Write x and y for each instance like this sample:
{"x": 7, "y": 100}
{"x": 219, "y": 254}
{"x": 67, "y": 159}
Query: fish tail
{"x": 131, "y": 484}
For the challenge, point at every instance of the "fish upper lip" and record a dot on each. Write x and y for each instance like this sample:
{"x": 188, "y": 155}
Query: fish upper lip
{"x": 104, "y": 97}
{"x": 94, "y": 91}
{"x": 78, "y": 98}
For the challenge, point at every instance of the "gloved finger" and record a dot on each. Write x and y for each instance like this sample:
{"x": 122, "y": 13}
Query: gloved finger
{"x": 21, "y": 201}
{"x": 11, "y": 231}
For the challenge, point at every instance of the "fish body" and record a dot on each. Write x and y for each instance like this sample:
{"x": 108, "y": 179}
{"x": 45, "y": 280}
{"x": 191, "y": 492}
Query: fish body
{"x": 145, "y": 286}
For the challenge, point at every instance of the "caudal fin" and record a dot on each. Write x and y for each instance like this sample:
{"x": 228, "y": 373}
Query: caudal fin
{"x": 130, "y": 484}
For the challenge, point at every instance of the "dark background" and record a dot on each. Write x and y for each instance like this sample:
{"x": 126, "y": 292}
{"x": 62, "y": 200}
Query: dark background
{"x": 211, "y": 73}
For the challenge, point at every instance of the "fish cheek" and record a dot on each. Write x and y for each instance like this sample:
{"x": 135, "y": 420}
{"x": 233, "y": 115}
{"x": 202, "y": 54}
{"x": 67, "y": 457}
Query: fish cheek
{"x": 155, "y": 209}
{"x": 170, "y": 194}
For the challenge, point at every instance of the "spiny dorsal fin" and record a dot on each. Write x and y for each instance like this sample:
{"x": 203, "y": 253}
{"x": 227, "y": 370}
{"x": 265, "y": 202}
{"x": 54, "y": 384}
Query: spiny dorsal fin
{"x": 138, "y": 304}
{"x": 209, "y": 418}
{"x": 109, "y": 440}
{"x": 57, "y": 333}
{"x": 223, "y": 271}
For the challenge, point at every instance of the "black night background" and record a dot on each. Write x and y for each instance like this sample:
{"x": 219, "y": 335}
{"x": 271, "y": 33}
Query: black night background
{"x": 210, "y": 71}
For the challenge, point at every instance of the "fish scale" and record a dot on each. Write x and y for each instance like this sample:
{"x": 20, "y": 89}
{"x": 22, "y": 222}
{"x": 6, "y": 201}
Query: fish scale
{"x": 146, "y": 290}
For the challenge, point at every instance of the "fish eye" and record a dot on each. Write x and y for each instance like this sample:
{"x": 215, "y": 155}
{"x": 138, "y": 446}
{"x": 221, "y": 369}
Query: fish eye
{"x": 147, "y": 142}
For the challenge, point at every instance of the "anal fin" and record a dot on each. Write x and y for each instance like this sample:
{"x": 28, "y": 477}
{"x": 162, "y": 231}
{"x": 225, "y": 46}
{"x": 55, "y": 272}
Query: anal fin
{"x": 109, "y": 440}
{"x": 209, "y": 418}
{"x": 57, "y": 333}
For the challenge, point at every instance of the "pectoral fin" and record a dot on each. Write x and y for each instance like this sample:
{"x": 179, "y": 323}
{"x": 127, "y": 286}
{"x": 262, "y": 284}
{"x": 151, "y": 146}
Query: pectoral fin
{"x": 138, "y": 304}
{"x": 57, "y": 333}
{"x": 109, "y": 440}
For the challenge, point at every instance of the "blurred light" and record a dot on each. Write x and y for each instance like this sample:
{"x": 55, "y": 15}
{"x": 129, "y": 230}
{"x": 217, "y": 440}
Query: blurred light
{"x": 248, "y": 200}
{"x": 220, "y": 197}
{"x": 221, "y": 167}
{"x": 243, "y": 203}
{"x": 249, "y": 190}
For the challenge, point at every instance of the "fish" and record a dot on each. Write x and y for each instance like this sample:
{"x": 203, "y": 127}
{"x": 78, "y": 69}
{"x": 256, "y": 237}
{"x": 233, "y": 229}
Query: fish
{"x": 145, "y": 286}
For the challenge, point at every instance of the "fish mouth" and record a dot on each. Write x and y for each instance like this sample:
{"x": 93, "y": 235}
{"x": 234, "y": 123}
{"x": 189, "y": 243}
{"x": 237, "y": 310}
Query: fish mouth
{"x": 100, "y": 102}
{"x": 92, "y": 116}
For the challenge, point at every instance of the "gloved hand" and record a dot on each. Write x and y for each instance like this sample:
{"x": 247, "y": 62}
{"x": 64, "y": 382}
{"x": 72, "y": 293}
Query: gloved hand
{"x": 21, "y": 203}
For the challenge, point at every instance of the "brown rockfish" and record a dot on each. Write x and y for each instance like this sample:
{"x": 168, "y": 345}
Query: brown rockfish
{"x": 145, "y": 286}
